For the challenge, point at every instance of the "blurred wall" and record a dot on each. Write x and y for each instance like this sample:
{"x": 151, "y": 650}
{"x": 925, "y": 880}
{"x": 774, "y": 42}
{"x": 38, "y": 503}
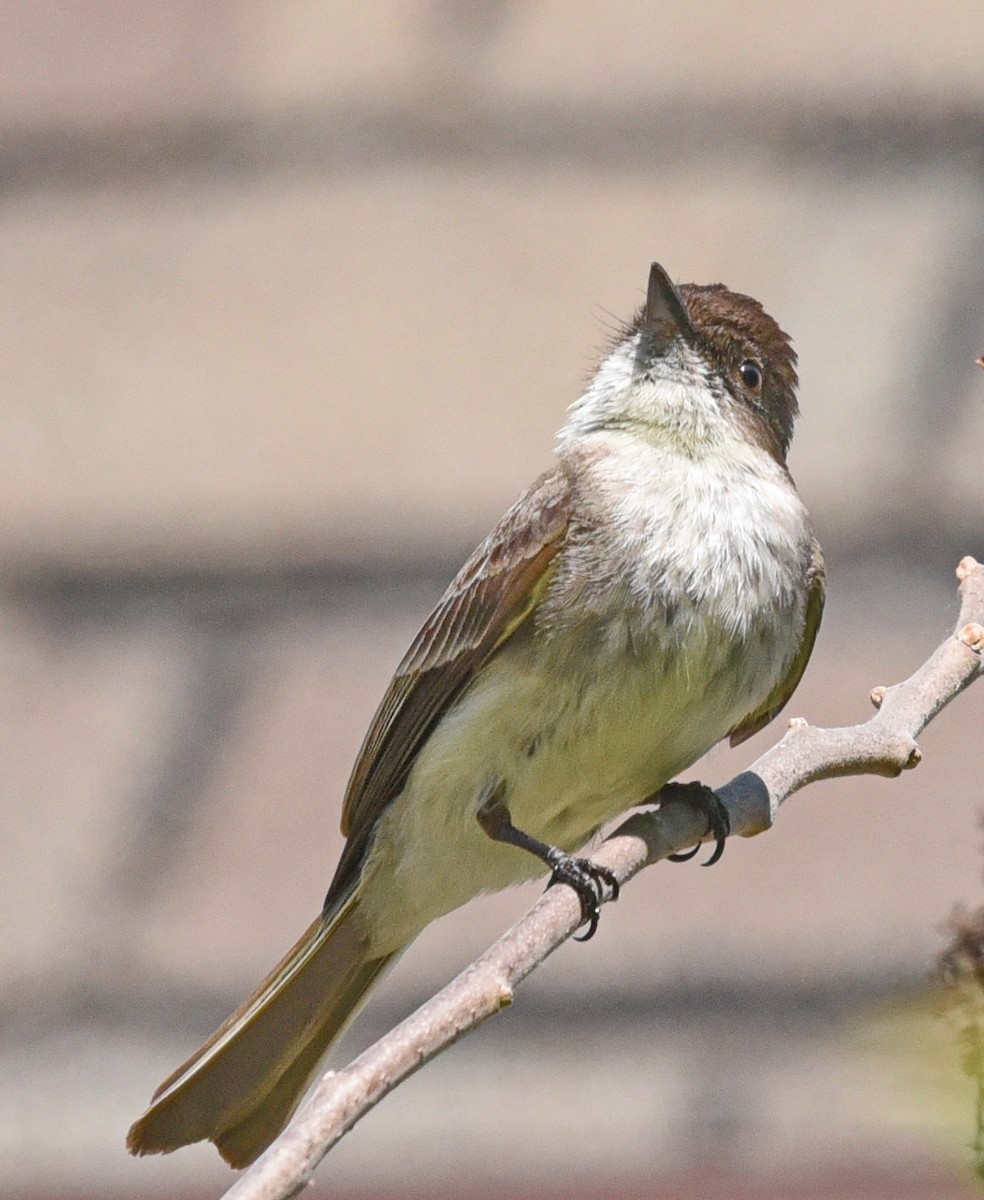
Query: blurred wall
{"x": 293, "y": 296}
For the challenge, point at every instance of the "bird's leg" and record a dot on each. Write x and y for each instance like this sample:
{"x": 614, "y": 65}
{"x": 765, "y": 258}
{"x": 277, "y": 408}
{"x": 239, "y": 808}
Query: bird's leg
{"x": 586, "y": 878}
{"x": 706, "y": 801}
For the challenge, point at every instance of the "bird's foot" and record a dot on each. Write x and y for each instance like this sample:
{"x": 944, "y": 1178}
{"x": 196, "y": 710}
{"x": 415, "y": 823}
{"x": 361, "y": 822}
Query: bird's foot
{"x": 701, "y": 797}
{"x": 588, "y": 880}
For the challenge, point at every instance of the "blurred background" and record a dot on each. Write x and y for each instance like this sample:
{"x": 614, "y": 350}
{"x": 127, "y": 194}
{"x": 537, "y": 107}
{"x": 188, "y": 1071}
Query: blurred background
{"x": 293, "y": 296}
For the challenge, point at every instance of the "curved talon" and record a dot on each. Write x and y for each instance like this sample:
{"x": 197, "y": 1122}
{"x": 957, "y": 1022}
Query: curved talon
{"x": 588, "y": 880}
{"x": 592, "y": 928}
{"x": 704, "y": 799}
{"x": 685, "y": 855}
{"x": 719, "y": 824}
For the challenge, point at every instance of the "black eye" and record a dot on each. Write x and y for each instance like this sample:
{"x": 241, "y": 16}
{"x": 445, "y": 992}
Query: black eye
{"x": 751, "y": 375}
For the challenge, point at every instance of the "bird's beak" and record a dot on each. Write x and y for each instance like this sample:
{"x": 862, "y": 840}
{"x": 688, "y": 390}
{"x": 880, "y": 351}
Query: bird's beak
{"x": 664, "y": 314}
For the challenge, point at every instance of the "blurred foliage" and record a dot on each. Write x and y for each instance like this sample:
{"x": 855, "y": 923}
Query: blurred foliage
{"x": 962, "y": 976}
{"x": 925, "y": 1050}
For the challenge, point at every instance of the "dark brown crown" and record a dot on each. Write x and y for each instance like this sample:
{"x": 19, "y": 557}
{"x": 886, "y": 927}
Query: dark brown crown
{"x": 730, "y": 329}
{"x": 730, "y": 332}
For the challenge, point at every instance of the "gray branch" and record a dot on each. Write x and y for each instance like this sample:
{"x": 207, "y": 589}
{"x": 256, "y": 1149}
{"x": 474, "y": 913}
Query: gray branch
{"x": 884, "y": 745}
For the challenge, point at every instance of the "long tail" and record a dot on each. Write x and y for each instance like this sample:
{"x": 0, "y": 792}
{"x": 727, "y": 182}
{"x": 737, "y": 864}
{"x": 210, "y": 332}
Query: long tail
{"x": 240, "y": 1088}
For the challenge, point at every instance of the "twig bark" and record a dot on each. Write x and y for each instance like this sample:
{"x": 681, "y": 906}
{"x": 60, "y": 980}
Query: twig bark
{"x": 884, "y": 745}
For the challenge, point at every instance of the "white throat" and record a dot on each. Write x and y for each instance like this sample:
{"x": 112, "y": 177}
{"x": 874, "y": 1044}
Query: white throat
{"x": 674, "y": 400}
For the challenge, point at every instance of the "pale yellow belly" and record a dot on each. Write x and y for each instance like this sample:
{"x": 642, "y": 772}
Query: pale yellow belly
{"x": 574, "y": 745}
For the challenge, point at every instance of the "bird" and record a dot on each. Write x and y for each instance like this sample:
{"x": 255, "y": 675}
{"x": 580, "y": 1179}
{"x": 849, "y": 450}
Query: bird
{"x": 657, "y": 590}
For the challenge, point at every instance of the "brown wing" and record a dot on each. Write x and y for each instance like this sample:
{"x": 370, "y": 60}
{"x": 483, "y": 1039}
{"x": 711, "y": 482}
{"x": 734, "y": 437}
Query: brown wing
{"x": 774, "y": 704}
{"x": 490, "y": 597}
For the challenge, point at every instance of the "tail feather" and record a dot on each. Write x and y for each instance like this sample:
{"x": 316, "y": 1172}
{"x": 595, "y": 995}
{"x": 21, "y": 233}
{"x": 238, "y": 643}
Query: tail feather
{"x": 239, "y": 1089}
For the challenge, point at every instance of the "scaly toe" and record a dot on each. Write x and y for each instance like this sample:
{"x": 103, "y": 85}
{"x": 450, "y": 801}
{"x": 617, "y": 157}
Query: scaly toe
{"x": 589, "y": 882}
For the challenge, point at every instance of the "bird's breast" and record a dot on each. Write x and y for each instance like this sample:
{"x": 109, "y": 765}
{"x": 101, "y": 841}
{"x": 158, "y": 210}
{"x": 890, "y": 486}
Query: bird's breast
{"x": 673, "y": 610}
{"x": 663, "y": 544}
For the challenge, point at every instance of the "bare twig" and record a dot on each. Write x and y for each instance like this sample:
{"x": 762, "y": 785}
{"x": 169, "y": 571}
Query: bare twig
{"x": 884, "y": 745}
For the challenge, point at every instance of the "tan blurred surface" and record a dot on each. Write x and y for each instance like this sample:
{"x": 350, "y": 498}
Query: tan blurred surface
{"x": 293, "y": 297}
{"x": 286, "y": 374}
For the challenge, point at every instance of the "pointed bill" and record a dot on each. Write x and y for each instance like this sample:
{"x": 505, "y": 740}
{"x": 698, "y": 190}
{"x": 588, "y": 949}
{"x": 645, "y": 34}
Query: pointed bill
{"x": 664, "y": 314}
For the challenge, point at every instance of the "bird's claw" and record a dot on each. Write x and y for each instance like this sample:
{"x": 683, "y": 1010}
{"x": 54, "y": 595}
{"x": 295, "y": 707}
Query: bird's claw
{"x": 589, "y": 881}
{"x": 703, "y": 798}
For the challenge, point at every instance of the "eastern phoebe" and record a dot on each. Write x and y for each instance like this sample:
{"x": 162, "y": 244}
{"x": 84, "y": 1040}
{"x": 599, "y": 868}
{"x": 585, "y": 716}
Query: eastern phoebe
{"x": 659, "y": 589}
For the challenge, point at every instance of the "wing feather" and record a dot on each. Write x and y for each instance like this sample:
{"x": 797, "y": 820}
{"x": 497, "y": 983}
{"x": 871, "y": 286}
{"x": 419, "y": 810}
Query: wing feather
{"x": 487, "y": 601}
{"x": 773, "y": 705}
